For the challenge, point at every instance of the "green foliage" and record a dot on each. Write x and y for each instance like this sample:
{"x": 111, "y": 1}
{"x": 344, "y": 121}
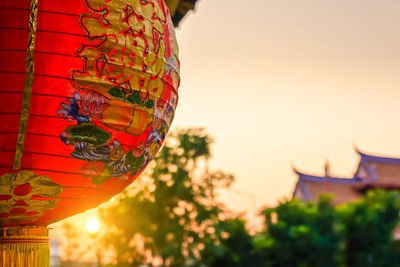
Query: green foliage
{"x": 308, "y": 234}
{"x": 176, "y": 209}
{"x": 369, "y": 226}
{"x": 301, "y": 235}
{"x": 236, "y": 247}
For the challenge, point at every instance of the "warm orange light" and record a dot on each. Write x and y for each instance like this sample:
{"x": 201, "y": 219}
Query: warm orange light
{"x": 93, "y": 225}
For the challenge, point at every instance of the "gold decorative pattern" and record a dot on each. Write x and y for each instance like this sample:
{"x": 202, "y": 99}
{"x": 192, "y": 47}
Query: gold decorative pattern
{"x": 131, "y": 49}
{"x": 30, "y": 70}
{"x": 25, "y": 196}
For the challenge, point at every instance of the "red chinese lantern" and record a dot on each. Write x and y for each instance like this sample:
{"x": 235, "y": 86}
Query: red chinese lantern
{"x": 88, "y": 93}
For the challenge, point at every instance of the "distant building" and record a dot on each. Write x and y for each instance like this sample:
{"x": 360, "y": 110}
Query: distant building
{"x": 372, "y": 172}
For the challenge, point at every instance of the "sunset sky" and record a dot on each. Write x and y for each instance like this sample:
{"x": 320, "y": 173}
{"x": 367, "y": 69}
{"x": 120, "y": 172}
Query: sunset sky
{"x": 281, "y": 82}
{"x": 290, "y": 82}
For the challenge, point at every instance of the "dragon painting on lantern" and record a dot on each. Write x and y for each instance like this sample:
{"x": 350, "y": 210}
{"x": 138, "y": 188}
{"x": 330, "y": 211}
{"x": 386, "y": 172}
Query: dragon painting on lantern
{"x": 126, "y": 88}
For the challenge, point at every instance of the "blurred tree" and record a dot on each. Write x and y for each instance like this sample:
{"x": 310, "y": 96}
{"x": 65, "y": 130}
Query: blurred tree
{"x": 300, "y": 234}
{"x": 317, "y": 234}
{"x": 369, "y": 226}
{"x": 173, "y": 214}
{"x": 235, "y": 246}
{"x": 71, "y": 245}
{"x": 76, "y": 244}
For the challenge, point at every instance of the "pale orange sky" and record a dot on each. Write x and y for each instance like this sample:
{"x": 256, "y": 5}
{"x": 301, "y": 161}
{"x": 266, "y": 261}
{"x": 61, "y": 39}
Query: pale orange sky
{"x": 277, "y": 82}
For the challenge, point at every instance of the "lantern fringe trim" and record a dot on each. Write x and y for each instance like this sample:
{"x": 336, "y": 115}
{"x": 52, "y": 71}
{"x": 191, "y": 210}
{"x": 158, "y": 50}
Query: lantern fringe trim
{"x": 24, "y": 246}
{"x": 30, "y": 71}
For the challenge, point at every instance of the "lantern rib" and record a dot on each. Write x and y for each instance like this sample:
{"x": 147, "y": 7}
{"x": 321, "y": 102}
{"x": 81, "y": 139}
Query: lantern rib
{"x": 40, "y": 30}
{"x": 85, "y": 187}
{"x": 47, "y": 135}
{"x": 41, "y": 11}
{"x": 12, "y": 72}
{"x": 10, "y": 113}
{"x": 44, "y": 154}
{"x": 66, "y": 33}
{"x": 33, "y": 115}
{"x": 55, "y": 136}
{"x": 46, "y": 170}
{"x": 41, "y": 52}
{"x": 36, "y": 74}
{"x": 33, "y": 93}
{"x": 47, "y": 116}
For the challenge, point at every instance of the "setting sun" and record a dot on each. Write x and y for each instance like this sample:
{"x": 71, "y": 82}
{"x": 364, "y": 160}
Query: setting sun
{"x": 93, "y": 225}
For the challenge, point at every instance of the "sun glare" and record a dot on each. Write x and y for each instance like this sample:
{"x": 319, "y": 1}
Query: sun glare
{"x": 93, "y": 225}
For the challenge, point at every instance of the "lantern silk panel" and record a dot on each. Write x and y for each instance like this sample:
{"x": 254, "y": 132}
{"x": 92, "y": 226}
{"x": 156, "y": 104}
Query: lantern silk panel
{"x": 103, "y": 98}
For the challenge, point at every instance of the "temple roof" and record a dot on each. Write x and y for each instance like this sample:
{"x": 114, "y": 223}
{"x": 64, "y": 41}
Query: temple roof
{"x": 310, "y": 187}
{"x": 373, "y": 171}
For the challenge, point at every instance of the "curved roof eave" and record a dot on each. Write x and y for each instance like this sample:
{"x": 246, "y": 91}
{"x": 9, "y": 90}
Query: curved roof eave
{"x": 322, "y": 179}
{"x": 377, "y": 159}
